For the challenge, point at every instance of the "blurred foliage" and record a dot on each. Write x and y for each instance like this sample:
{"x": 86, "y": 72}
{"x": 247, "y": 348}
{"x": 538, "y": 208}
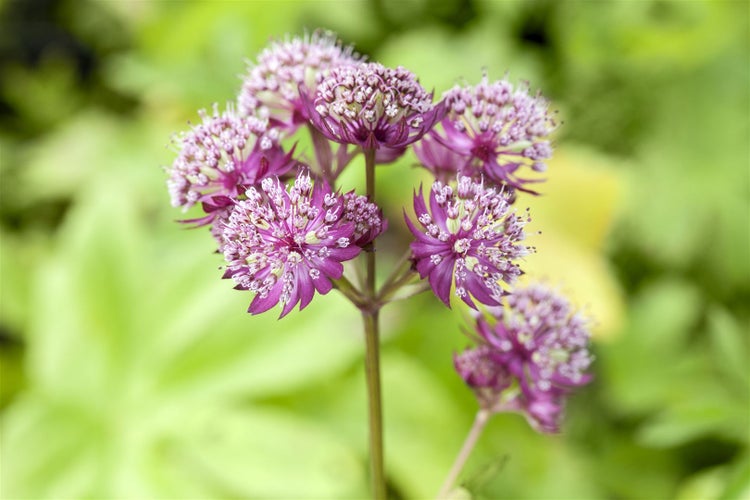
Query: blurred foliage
{"x": 130, "y": 370}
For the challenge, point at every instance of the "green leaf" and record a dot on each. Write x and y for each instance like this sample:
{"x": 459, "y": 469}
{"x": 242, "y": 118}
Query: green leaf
{"x": 47, "y": 451}
{"x": 683, "y": 164}
{"x": 268, "y": 356}
{"x": 705, "y": 485}
{"x": 425, "y": 426}
{"x": 635, "y": 371}
{"x": 738, "y": 481}
{"x": 268, "y": 453}
{"x": 711, "y": 411}
{"x": 18, "y": 256}
{"x": 729, "y": 342}
{"x": 647, "y": 35}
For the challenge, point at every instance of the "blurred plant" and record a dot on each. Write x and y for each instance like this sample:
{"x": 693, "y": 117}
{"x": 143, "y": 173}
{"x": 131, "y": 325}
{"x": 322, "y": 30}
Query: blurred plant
{"x": 285, "y": 243}
{"x": 646, "y": 210}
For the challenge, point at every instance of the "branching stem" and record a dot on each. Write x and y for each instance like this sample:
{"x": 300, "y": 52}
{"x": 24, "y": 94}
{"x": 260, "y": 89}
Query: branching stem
{"x": 480, "y": 421}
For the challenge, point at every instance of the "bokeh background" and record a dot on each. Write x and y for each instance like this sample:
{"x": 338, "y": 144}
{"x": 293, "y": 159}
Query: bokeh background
{"x": 130, "y": 370}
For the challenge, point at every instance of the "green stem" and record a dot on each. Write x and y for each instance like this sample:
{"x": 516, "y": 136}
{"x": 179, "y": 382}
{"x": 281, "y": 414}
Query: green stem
{"x": 323, "y": 154}
{"x": 400, "y": 277}
{"x": 343, "y": 159}
{"x": 345, "y": 286}
{"x": 372, "y": 370}
{"x": 402, "y": 266}
{"x": 372, "y": 353}
{"x": 480, "y": 421}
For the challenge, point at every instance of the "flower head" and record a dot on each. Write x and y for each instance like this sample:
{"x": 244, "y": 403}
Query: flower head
{"x": 495, "y": 129}
{"x": 367, "y": 218}
{"x": 541, "y": 343}
{"x": 482, "y": 373}
{"x": 470, "y": 236}
{"x": 271, "y": 86}
{"x": 220, "y": 158}
{"x": 286, "y": 244}
{"x": 373, "y": 106}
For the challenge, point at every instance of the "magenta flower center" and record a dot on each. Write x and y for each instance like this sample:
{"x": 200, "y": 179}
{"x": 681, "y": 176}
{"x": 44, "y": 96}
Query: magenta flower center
{"x": 484, "y": 150}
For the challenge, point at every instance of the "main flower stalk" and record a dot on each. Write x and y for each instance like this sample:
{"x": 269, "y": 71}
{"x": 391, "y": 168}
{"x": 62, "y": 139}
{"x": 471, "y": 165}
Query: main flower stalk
{"x": 370, "y": 317}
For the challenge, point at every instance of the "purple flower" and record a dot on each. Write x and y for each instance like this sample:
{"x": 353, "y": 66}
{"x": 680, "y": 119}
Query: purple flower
{"x": 493, "y": 130}
{"x": 367, "y": 218}
{"x": 543, "y": 411}
{"x": 271, "y": 86}
{"x": 374, "y": 107}
{"x": 285, "y": 244}
{"x": 482, "y": 373}
{"x": 220, "y": 158}
{"x": 540, "y": 342}
{"x": 470, "y": 236}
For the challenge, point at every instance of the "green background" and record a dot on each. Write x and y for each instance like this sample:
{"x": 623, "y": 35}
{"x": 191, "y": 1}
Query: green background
{"x": 130, "y": 370}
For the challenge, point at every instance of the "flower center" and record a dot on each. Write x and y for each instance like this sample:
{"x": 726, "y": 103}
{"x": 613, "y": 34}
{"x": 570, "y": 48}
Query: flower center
{"x": 462, "y": 246}
{"x": 483, "y": 151}
{"x": 294, "y": 257}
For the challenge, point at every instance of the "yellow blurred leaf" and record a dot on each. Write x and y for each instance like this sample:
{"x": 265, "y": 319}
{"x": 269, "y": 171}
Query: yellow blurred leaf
{"x": 575, "y": 213}
{"x": 579, "y": 199}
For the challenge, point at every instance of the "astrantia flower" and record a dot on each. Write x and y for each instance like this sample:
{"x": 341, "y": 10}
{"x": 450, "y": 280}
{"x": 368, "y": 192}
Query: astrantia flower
{"x": 367, "y": 218}
{"x": 373, "y": 106}
{"x": 541, "y": 342}
{"x": 482, "y": 373}
{"x": 286, "y": 244}
{"x": 271, "y": 86}
{"x": 496, "y": 130}
{"x": 470, "y": 236}
{"x": 220, "y": 158}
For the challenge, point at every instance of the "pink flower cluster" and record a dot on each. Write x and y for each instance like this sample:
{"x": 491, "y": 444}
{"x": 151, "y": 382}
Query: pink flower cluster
{"x": 271, "y": 85}
{"x": 284, "y": 244}
{"x": 285, "y": 230}
{"x": 221, "y": 157}
{"x": 530, "y": 355}
{"x": 469, "y": 237}
{"x": 281, "y": 243}
{"x": 491, "y": 131}
{"x": 372, "y": 106}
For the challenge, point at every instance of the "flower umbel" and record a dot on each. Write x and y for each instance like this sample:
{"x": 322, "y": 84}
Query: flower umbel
{"x": 495, "y": 129}
{"x": 286, "y": 244}
{"x": 540, "y": 341}
{"x": 271, "y": 86}
{"x": 367, "y": 218}
{"x": 285, "y": 227}
{"x": 220, "y": 158}
{"x": 470, "y": 236}
{"x": 373, "y": 106}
